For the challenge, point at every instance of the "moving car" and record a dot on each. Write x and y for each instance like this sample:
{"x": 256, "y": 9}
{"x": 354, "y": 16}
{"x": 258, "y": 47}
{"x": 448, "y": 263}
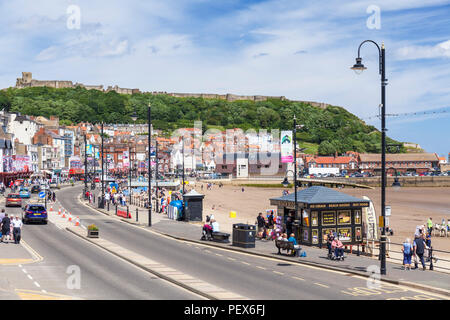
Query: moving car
{"x": 13, "y": 199}
{"x": 97, "y": 180}
{"x": 35, "y": 189}
{"x": 34, "y": 212}
{"x": 24, "y": 193}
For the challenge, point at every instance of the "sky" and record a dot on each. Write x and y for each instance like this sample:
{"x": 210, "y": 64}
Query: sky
{"x": 302, "y": 50}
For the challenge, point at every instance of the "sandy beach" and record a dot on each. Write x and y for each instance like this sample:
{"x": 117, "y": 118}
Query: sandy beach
{"x": 409, "y": 206}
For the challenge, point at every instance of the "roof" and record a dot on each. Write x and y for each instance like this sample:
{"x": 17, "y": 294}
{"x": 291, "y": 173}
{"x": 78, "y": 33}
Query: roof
{"x": 320, "y": 195}
{"x": 329, "y": 160}
{"x": 366, "y": 157}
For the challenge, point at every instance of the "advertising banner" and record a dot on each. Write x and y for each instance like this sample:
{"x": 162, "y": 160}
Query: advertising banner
{"x": 126, "y": 159}
{"x": 286, "y": 146}
{"x": 21, "y": 163}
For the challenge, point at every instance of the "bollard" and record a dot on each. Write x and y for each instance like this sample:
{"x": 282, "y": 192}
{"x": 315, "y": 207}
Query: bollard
{"x": 137, "y": 214}
{"x": 116, "y": 210}
{"x": 108, "y": 206}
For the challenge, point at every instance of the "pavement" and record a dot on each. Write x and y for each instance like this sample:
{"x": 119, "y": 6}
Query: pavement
{"x": 432, "y": 281}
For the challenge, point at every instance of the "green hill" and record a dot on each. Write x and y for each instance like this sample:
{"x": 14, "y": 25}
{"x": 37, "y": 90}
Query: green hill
{"x": 325, "y": 131}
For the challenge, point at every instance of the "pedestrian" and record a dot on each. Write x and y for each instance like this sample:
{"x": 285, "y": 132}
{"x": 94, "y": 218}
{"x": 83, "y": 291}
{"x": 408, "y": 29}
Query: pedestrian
{"x": 54, "y": 196}
{"x": 261, "y": 222}
{"x": 407, "y": 250}
{"x": 289, "y": 225}
{"x": 2, "y": 215}
{"x": 430, "y": 225}
{"x": 419, "y": 250}
{"x": 17, "y": 227}
{"x": 297, "y": 247}
{"x": 428, "y": 244}
{"x": 5, "y": 227}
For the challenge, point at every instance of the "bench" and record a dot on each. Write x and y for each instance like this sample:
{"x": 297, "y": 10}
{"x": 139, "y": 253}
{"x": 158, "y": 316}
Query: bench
{"x": 285, "y": 245}
{"x": 220, "y": 237}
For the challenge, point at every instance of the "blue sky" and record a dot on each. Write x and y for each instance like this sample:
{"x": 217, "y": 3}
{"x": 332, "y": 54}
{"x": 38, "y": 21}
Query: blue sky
{"x": 299, "y": 49}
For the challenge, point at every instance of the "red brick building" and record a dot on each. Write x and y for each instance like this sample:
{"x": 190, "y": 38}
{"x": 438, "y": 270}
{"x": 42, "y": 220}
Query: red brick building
{"x": 402, "y": 162}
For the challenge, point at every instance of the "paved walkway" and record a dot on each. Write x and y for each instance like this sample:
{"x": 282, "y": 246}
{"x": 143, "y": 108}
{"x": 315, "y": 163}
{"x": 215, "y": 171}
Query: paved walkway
{"x": 429, "y": 280}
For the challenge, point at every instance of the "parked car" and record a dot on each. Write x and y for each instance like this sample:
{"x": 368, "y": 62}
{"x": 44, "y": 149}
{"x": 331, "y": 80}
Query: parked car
{"x": 13, "y": 199}
{"x": 34, "y": 212}
{"x": 24, "y": 193}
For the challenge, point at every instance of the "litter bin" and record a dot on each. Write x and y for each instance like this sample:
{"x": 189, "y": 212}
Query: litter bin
{"x": 244, "y": 235}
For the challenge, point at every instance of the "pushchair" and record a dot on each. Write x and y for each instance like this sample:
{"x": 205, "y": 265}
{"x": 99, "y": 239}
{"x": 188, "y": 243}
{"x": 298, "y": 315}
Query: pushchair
{"x": 206, "y": 232}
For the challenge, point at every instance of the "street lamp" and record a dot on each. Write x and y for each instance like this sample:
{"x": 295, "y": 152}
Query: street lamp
{"x": 358, "y": 68}
{"x": 129, "y": 166}
{"x": 85, "y": 167}
{"x": 149, "y": 166}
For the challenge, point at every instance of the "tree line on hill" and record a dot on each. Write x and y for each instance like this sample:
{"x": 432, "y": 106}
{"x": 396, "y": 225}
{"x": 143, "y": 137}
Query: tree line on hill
{"x": 331, "y": 130}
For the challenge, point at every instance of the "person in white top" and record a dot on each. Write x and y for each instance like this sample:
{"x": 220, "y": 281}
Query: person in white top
{"x": 215, "y": 226}
{"x": 17, "y": 227}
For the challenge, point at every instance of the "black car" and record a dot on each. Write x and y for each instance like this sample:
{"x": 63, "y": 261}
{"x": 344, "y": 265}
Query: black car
{"x": 35, "y": 189}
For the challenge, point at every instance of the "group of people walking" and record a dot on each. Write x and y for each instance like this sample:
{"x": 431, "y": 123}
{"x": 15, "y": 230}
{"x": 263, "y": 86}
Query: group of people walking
{"x": 11, "y": 228}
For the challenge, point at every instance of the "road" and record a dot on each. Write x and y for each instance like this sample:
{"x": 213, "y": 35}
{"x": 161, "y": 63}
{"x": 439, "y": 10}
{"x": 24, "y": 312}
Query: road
{"x": 252, "y": 277}
{"x": 102, "y": 275}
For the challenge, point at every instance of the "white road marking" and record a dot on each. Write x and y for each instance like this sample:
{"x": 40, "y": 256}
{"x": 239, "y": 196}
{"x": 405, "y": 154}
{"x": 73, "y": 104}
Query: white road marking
{"x": 24, "y": 271}
{"x": 261, "y": 267}
{"x": 321, "y": 285}
{"x": 278, "y": 272}
{"x": 44, "y": 291}
{"x": 297, "y": 278}
{"x": 245, "y": 263}
{"x": 37, "y": 284}
{"x": 29, "y": 277}
{"x": 232, "y": 259}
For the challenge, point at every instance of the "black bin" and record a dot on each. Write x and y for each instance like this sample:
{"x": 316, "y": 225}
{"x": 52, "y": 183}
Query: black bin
{"x": 244, "y": 235}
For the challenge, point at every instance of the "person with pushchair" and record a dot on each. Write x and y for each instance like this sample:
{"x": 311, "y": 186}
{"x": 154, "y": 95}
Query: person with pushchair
{"x": 207, "y": 229}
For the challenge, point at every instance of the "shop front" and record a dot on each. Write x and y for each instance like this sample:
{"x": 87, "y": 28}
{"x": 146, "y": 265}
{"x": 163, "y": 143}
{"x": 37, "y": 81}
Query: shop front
{"x": 322, "y": 211}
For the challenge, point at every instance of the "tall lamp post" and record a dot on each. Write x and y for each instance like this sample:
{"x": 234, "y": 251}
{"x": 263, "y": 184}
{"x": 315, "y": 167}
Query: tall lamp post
{"x": 85, "y": 167}
{"x": 134, "y": 118}
{"x": 358, "y": 68}
{"x": 157, "y": 173}
{"x": 102, "y": 205}
{"x": 285, "y": 181}
{"x": 149, "y": 166}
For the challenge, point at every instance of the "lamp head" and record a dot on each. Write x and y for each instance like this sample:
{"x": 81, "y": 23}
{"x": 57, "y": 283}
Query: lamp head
{"x": 285, "y": 183}
{"x": 358, "y": 67}
{"x": 134, "y": 116}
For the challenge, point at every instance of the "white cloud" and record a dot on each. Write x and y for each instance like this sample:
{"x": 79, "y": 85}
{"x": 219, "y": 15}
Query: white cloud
{"x": 424, "y": 52}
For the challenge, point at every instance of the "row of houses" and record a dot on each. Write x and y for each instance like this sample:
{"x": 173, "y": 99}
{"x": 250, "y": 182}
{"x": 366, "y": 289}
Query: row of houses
{"x": 33, "y": 144}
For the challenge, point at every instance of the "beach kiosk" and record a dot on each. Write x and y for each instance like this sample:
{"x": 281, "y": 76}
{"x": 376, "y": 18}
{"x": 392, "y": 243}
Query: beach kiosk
{"x": 323, "y": 210}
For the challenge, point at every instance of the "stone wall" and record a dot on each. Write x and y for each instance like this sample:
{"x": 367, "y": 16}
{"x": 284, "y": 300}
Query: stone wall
{"x": 27, "y": 81}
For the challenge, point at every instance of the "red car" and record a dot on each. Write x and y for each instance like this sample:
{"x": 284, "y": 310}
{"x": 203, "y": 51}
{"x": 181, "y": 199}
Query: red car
{"x": 13, "y": 199}
{"x": 97, "y": 180}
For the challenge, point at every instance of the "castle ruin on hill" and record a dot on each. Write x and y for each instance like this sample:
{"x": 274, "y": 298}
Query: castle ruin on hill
{"x": 27, "y": 81}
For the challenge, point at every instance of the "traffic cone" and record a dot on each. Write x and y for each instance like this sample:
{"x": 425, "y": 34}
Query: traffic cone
{"x": 64, "y": 213}
{"x": 70, "y": 216}
{"x": 77, "y": 222}
{"x": 59, "y": 212}
{"x": 51, "y": 209}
